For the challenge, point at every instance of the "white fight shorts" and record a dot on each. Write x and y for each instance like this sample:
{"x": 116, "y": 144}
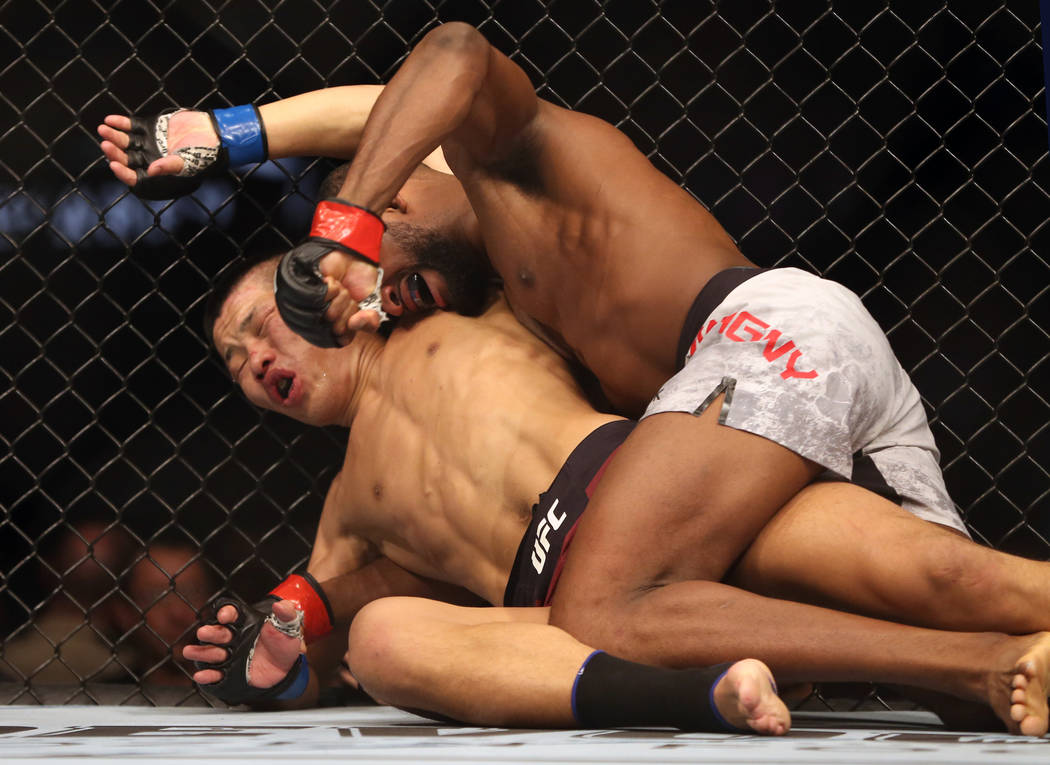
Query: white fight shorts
{"x": 801, "y": 362}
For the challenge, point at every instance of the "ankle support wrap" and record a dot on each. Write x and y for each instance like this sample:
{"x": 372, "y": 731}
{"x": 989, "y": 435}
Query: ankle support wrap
{"x": 614, "y": 693}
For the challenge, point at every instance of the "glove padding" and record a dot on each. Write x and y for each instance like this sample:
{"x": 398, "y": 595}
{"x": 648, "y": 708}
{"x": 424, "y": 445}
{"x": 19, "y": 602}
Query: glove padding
{"x": 299, "y": 287}
{"x": 234, "y": 687}
{"x": 300, "y": 291}
{"x": 148, "y": 142}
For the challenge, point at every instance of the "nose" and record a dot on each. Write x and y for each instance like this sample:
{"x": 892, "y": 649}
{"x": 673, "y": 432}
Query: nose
{"x": 392, "y": 300}
{"x": 259, "y": 361}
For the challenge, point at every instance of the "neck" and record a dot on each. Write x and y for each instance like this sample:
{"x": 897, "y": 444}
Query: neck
{"x": 360, "y": 365}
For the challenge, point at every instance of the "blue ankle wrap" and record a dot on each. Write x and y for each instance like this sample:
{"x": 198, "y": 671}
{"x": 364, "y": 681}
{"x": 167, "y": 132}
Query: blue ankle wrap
{"x": 241, "y": 133}
{"x": 298, "y": 686}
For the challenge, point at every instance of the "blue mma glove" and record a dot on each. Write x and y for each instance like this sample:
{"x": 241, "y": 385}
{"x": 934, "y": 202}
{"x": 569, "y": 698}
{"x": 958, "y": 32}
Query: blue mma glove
{"x": 242, "y": 140}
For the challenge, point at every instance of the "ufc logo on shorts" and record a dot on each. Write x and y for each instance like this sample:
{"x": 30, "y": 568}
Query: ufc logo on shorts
{"x": 542, "y": 545}
{"x": 744, "y": 327}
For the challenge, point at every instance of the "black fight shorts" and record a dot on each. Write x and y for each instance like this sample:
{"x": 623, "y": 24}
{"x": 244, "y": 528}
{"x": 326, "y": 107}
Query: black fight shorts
{"x": 542, "y": 550}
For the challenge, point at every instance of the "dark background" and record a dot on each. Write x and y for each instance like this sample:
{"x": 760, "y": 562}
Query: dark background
{"x": 900, "y": 149}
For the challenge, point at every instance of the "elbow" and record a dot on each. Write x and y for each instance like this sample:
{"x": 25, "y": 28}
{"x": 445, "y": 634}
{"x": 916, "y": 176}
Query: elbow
{"x": 455, "y": 38}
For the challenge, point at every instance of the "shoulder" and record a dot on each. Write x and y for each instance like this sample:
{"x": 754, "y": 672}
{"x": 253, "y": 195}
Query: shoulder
{"x": 560, "y": 149}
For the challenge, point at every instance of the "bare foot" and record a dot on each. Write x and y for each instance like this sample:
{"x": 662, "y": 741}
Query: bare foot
{"x": 747, "y": 698}
{"x": 1019, "y": 695}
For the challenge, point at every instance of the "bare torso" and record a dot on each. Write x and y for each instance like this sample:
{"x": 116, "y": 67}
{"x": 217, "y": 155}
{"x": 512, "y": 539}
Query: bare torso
{"x": 577, "y": 253}
{"x": 464, "y": 422}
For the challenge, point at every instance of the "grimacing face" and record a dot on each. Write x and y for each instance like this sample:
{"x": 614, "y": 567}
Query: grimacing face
{"x": 433, "y": 269}
{"x": 274, "y": 367}
{"x": 431, "y": 253}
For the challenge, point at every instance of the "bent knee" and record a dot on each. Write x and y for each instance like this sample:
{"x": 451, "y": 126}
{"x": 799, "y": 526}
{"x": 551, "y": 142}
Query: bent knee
{"x": 949, "y": 570}
{"x": 378, "y": 649}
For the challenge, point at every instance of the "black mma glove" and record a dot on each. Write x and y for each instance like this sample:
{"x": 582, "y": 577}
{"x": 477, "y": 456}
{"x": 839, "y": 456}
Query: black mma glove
{"x": 299, "y": 288}
{"x": 234, "y": 688}
{"x": 242, "y": 140}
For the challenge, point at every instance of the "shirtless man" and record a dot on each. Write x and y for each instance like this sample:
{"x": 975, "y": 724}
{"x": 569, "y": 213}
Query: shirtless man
{"x": 430, "y": 199}
{"x": 457, "y": 422}
{"x": 752, "y": 383}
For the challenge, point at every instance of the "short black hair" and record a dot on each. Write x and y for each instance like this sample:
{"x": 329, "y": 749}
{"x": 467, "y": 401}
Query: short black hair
{"x": 227, "y": 281}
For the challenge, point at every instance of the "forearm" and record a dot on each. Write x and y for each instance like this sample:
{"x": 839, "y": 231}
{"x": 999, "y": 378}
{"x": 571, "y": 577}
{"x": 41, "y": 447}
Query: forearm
{"x": 350, "y": 592}
{"x": 426, "y": 101}
{"x": 326, "y": 123}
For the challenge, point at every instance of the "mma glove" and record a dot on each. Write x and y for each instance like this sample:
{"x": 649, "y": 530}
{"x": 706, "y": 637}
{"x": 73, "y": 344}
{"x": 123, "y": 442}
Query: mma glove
{"x": 299, "y": 287}
{"x": 313, "y": 620}
{"x": 242, "y": 140}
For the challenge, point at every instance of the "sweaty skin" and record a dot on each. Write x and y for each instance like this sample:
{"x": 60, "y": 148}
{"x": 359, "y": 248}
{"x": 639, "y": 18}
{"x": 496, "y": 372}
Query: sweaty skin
{"x": 409, "y": 399}
{"x": 430, "y": 482}
{"x": 603, "y": 312}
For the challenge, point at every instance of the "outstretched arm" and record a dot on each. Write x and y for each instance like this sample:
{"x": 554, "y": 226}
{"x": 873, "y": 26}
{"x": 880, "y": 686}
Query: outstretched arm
{"x": 326, "y": 123}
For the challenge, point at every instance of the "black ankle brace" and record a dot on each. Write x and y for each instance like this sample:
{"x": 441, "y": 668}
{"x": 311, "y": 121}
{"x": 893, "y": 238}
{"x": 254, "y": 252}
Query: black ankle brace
{"x": 615, "y": 693}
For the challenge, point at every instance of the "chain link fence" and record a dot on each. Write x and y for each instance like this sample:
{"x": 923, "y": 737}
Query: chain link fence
{"x": 898, "y": 148}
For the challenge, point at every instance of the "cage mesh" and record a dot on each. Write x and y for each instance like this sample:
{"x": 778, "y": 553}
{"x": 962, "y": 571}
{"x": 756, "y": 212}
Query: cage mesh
{"x": 899, "y": 148}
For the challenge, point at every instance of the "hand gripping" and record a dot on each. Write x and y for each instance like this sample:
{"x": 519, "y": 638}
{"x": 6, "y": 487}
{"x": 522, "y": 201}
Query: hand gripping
{"x": 234, "y": 688}
{"x": 242, "y": 139}
{"x": 299, "y": 287}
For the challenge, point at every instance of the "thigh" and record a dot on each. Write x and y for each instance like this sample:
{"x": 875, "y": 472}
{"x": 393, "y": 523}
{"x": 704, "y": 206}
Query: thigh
{"x": 840, "y": 545}
{"x": 680, "y": 500}
{"x": 416, "y": 611}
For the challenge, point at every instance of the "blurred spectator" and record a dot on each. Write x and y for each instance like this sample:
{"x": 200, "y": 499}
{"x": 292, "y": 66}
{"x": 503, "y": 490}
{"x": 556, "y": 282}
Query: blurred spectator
{"x": 113, "y": 616}
{"x": 168, "y": 588}
{"x": 71, "y": 637}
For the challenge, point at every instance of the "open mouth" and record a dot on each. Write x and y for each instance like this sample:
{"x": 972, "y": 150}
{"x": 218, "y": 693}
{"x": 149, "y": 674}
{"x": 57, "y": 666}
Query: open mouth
{"x": 284, "y": 387}
{"x": 417, "y": 293}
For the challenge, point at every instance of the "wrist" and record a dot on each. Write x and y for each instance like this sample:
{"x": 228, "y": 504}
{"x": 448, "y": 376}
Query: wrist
{"x": 241, "y": 133}
{"x": 350, "y": 225}
{"x": 308, "y": 596}
{"x": 300, "y": 679}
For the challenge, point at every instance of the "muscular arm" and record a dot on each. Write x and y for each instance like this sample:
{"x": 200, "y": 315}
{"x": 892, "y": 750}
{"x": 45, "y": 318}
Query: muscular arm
{"x": 352, "y": 574}
{"x": 454, "y": 90}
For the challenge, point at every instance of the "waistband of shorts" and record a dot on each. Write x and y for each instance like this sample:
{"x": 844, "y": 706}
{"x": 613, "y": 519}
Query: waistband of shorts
{"x": 573, "y": 486}
{"x": 714, "y": 292}
{"x": 590, "y": 455}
